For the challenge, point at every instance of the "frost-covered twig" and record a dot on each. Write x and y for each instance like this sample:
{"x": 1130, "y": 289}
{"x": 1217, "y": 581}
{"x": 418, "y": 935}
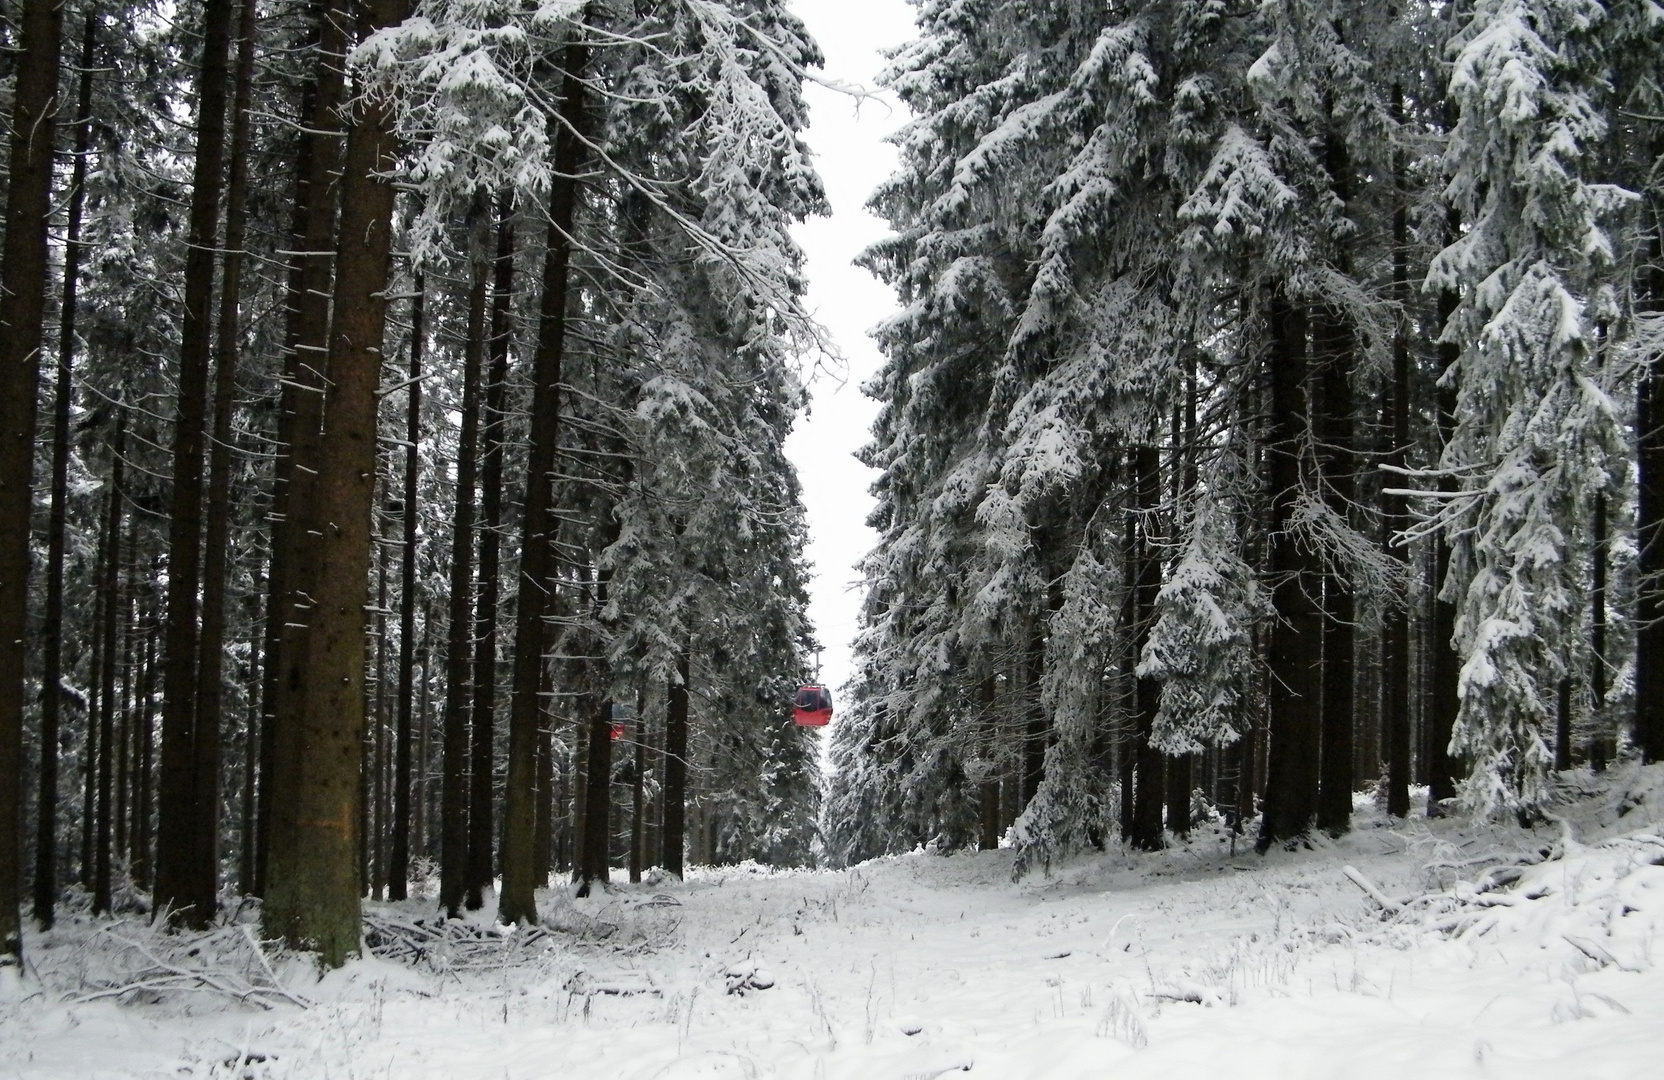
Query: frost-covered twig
{"x": 1387, "y": 905}
{"x": 159, "y": 973}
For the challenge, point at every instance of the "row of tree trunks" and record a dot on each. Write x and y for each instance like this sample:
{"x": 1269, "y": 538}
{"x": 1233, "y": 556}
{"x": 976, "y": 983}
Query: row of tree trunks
{"x": 216, "y": 545}
{"x": 398, "y": 869}
{"x": 675, "y": 769}
{"x": 23, "y": 279}
{"x": 480, "y": 832}
{"x": 1291, "y": 787}
{"x": 179, "y": 875}
{"x": 477, "y": 868}
{"x": 1334, "y": 407}
{"x": 109, "y": 573}
{"x": 1649, "y": 607}
{"x": 518, "y": 902}
{"x": 1149, "y": 766}
{"x": 46, "y": 826}
{"x": 1395, "y": 637}
{"x": 313, "y": 892}
{"x": 454, "y": 870}
{"x": 1442, "y": 771}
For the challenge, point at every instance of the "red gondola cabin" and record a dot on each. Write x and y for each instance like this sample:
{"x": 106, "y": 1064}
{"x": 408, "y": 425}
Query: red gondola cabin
{"x": 812, "y": 707}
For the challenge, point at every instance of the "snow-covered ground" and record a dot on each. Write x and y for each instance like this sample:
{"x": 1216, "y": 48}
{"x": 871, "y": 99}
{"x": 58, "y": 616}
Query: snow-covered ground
{"x": 1501, "y": 952}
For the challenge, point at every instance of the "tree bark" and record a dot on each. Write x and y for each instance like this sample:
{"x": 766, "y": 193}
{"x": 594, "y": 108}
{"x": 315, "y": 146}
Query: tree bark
{"x": 1296, "y": 634}
{"x": 518, "y": 902}
{"x": 424, "y": 722}
{"x": 1395, "y": 511}
{"x": 1336, "y": 344}
{"x": 1441, "y": 719}
{"x": 378, "y": 732}
{"x": 179, "y": 869}
{"x": 1127, "y": 681}
{"x": 491, "y": 520}
{"x": 638, "y": 800}
{"x": 398, "y": 863}
{"x": 23, "y": 279}
{"x": 675, "y": 770}
{"x": 300, "y": 408}
{"x": 124, "y": 696}
{"x": 455, "y": 872}
{"x": 544, "y": 825}
{"x": 1180, "y": 771}
{"x": 1597, "y": 644}
{"x": 1649, "y": 521}
{"x": 209, "y": 723}
{"x": 110, "y": 586}
{"x": 46, "y": 820}
{"x": 144, "y": 718}
{"x": 594, "y": 855}
{"x": 312, "y": 896}
{"x": 1150, "y": 792}
{"x": 988, "y": 794}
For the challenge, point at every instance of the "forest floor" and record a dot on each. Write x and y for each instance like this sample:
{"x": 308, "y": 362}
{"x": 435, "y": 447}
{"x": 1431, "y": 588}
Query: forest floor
{"x": 1497, "y": 951}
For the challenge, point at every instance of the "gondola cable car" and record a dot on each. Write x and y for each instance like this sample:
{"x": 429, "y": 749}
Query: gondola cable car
{"x": 812, "y": 707}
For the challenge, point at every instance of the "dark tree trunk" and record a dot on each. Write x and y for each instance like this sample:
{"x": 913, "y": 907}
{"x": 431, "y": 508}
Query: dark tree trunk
{"x": 1127, "y": 682}
{"x": 1034, "y": 724}
{"x": 23, "y": 279}
{"x": 1336, "y": 345}
{"x": 518, "y": 902}
{"x": 594, "y": 858}
{"x": 89, "y": 743}
{"x": 378, "y": 732}
{"x": 251, "y": 772}
{"x": 1395, "y": 512}
{"x": 490, "y": 533}
{"x": 455, "y": 868}
{"x": 1441, "y": 715}
{"x": 302, "y": 399}
{"x": 125, "y": 694}
{"x": 989, "y": 790}
{"x": 144, "y": 718}
{"x": 1649, "y": 522}
{"x": 1180, "y": 778}
{"x": 313, "y": 897}
{"x": 479, "y": 874}
{"x": 1151, "y": 786}
{"x": 583, "y": 705}
{"x": 544, "y": 825}
{"x": 1563, "y": 727}
{"x": 638, "y": 800}
{"x": 46, "y": 827}
{"x": 422, "y": 843}
{"x": 1296, "y": 634}
{"x": 675, "y": 770}
{"x": 209, "y": 723}
{"x": 398, "y": 863}
{"x": 1597, "y": 644}
{"x": 1179, "y": 781}
{"x": 179, "y": 870}
{"x": 110, "y": 587}
{"x": 92, "y": 746}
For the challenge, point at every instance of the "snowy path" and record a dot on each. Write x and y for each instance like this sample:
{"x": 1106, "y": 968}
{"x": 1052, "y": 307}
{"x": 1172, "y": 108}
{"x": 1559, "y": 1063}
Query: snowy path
{"x": 914, "y": 966}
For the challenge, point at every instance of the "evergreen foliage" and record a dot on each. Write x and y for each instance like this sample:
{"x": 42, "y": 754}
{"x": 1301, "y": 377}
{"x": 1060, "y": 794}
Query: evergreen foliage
{"x": 1171, "y": 444}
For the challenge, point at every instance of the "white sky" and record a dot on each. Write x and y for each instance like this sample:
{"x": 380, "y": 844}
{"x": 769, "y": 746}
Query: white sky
{"x": 853, "y": 159}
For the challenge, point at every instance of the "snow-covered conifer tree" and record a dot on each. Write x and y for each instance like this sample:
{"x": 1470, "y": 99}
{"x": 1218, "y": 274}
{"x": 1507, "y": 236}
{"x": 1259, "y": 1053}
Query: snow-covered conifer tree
{"x": 1537, "y": 428}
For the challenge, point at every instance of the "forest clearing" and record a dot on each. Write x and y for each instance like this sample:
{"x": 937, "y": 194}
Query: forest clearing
{"x": 1521, "y": 953}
